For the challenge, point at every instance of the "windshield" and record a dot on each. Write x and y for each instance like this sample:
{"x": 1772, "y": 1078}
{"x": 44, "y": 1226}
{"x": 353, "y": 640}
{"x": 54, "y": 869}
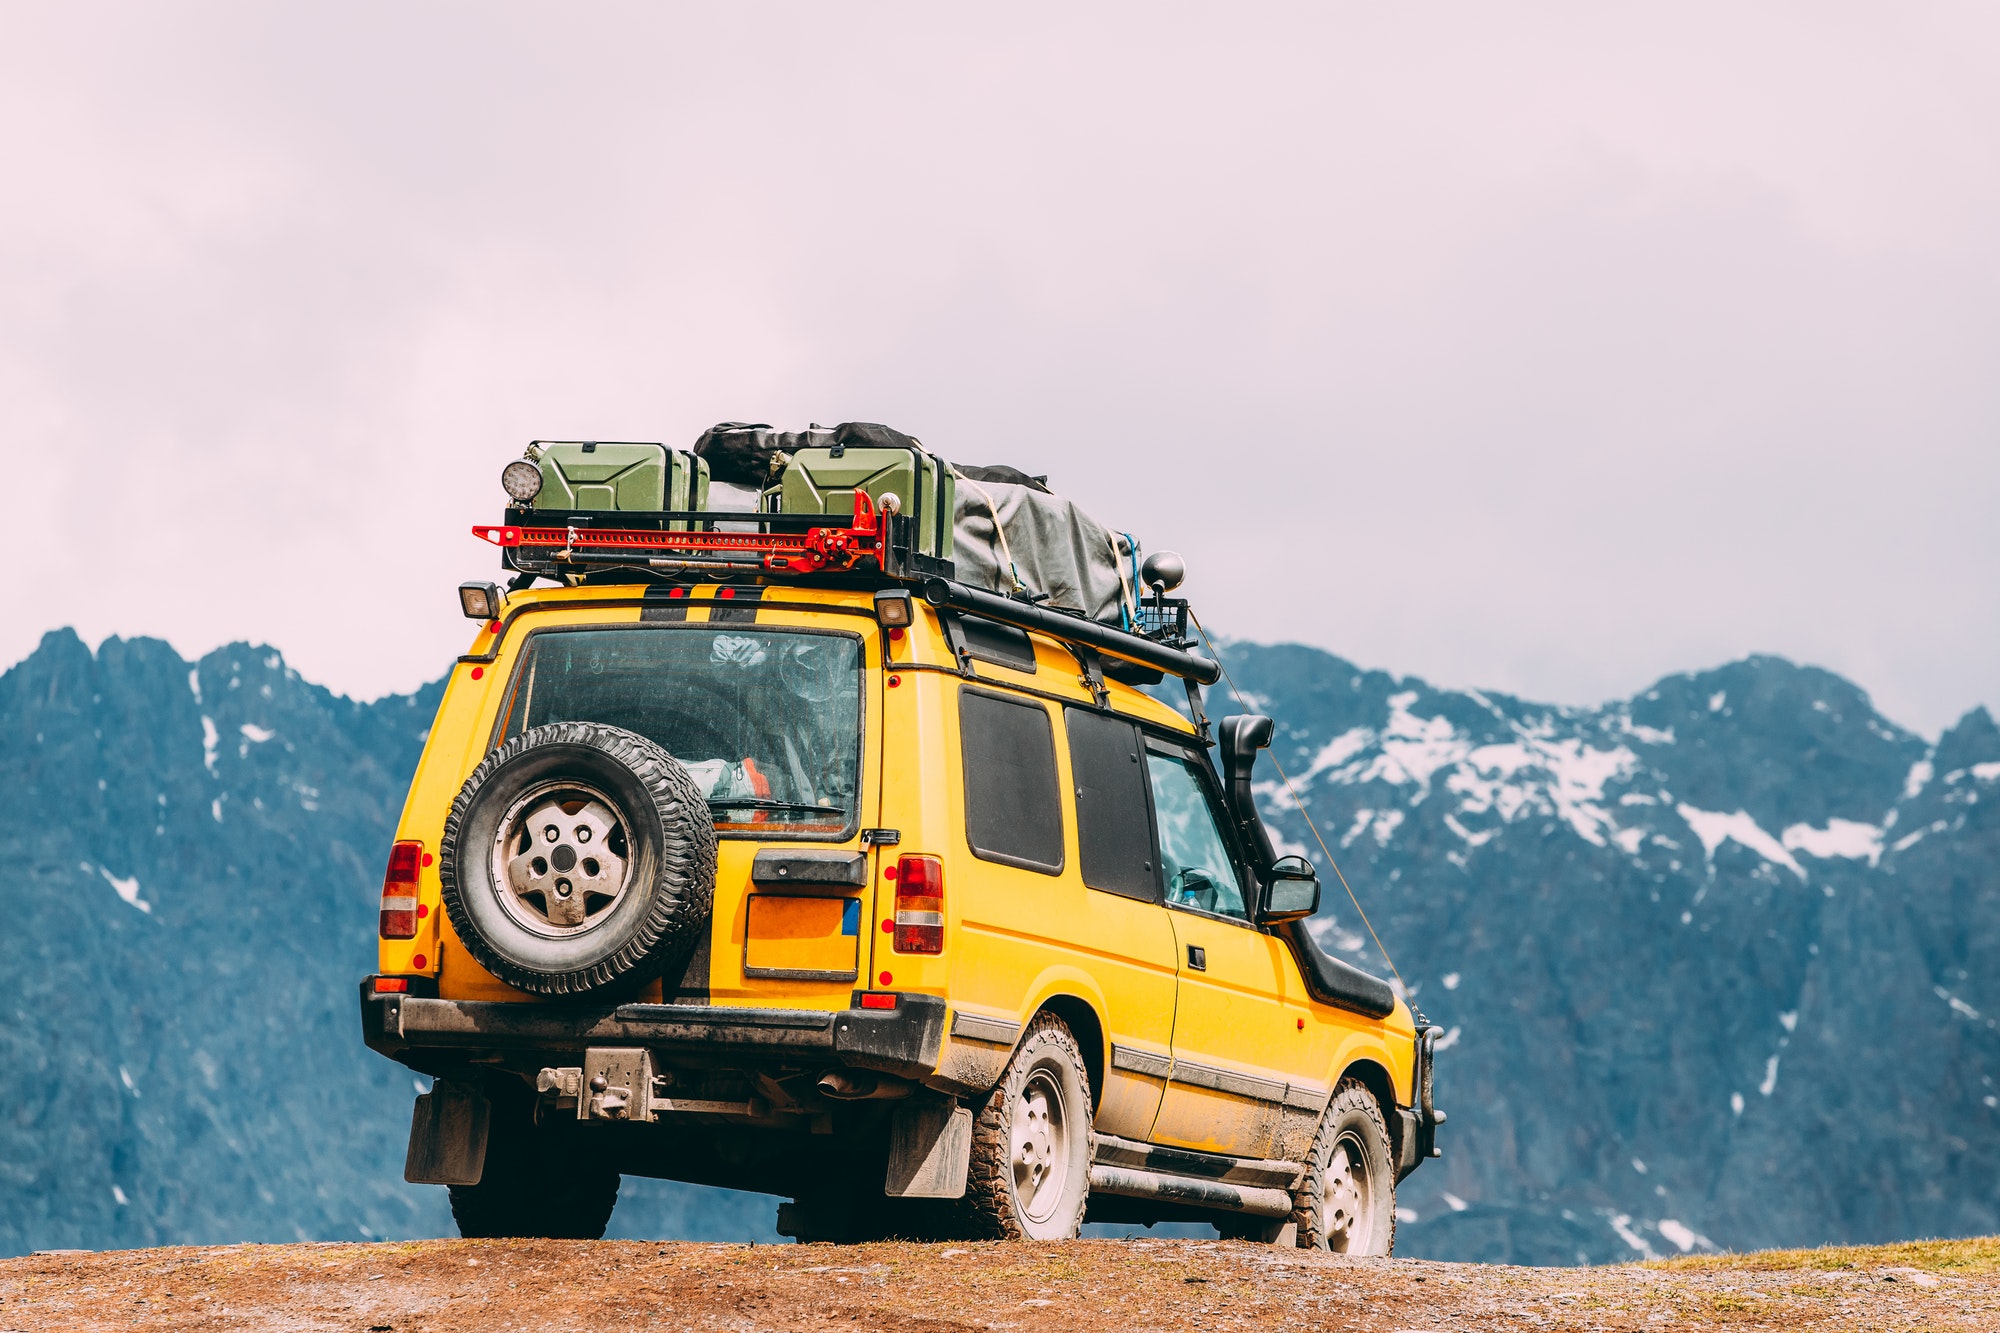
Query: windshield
{"x": 768, "y": 722}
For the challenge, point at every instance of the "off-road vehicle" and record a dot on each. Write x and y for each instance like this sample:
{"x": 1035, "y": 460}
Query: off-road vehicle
{"x": 769, "y": 849}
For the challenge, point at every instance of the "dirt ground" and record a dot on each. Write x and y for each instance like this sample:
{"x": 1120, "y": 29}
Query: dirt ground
{"x": 1121, "y": 1285}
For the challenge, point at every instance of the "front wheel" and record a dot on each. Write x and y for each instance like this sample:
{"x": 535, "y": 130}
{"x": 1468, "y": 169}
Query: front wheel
{"x": 1031, "y": 1142}
{"x": 1347, "y": 1201}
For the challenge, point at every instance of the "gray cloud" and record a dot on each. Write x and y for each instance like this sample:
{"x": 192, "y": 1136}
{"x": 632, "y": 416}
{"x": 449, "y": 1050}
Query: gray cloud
{"x": 1548, "y": 349}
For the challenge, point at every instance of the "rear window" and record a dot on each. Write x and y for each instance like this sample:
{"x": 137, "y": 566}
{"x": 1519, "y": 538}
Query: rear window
{"x": 1013, "y": 807}
{"x": 1114, "y": 828}
{"x": 767, "y": 721}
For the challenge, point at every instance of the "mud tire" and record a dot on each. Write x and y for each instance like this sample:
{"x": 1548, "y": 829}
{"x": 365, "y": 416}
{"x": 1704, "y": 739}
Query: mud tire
{"x": 1352, "y": 1125}
{"x": 669, "y": 888}
{"x": 1047, "y": 1065}
{"x": 540, "y": 1182}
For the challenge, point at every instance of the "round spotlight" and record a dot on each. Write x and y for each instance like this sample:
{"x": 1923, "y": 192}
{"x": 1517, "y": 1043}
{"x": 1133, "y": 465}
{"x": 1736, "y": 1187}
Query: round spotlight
{"x": 521, "y": 480}
{"x": 1164, "y": 570}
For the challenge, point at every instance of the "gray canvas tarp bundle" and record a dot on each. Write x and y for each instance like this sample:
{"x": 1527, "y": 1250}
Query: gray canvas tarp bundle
{"x": 1057, "y": 549}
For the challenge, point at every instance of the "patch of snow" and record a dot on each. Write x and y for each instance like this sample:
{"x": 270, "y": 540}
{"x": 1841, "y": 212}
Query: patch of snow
{"x": 1450, "y": 981}
{"x": 1958, "y": 1006}
{"x": 1736, "y": 1103}
{"x": 1338, "y": 751}
{"x": 1630, "y": 840}
{"x": 1637, "y": 798}
{"x": 126, "y": 1079}
{"x": 1447, "y": 1041}
{"x": 1770, "y": 1083}
{"x": 1622, "y": 1224}
{"x": 1572, "y": 779}
{"x": 1905, "y": 843}
{"x": 1682, "y": 1238}
{"x": 208, "y": 742}
{"x": 1918, "y": 779}
{"x": 1790, "y": 1020}
{"x": 255, "y": 734}
{"x": 1639, "y": 1166}
{"x": 1479, "y": 839}
{"x": 1405, "y": 1215}
{"x": 272, "y": 662}
{"x": 194, "y": 684}
{"x": 1846, "y": 838}
{"x": 1643, "y": 734}
{"x": 215, "y": 808}
{"x": 1362, "y": 820}
{"x": 1715, "y": 828}
{"x": 1986, "y": 772}
{"x": 119, "y": 1195}
{"x": 1717, "y": 700}
{"x": 1453, "y": 1202}
{"x": 1386, "y": 825}
{"x": 1413, "y": 748}
{"x": 127, "y": 889}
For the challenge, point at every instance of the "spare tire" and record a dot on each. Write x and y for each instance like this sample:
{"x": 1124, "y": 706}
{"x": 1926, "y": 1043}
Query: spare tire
{"x": 578, "y": 858}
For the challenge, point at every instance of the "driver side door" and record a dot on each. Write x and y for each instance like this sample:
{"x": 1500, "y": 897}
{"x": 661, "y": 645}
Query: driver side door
{"x": 1235, "y": 1035}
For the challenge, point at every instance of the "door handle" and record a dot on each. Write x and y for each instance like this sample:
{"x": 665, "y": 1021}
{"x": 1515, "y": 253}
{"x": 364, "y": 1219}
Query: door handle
{"x": 1197, "y": 958}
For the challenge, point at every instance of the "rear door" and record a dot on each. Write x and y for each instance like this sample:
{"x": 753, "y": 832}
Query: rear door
{"x": 1234, "y": 1034}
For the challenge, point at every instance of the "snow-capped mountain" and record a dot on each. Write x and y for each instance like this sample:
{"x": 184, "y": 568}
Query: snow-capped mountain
{"x": 1709, "y": 961}
{"x": 1713, "y": 962}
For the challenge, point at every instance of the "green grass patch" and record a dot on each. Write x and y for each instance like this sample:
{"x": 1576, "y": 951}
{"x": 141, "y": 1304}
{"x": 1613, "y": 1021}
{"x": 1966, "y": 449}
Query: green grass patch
{"x": 1979, "y": 1255}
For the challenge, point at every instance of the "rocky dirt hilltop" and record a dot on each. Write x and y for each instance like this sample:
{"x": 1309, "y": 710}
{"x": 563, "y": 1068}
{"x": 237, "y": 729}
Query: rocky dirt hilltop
{"x": 486, "y": 1286}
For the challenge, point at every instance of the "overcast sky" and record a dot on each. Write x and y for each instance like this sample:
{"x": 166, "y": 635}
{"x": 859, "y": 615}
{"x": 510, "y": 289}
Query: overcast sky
{"x": 1548, "y": 348}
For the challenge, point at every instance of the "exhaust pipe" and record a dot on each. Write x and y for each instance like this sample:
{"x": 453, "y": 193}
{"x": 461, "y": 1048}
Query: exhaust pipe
{"x": 854, "y": 1085}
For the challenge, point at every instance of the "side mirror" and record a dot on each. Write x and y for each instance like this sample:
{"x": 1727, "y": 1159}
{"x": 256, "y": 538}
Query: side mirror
{"x": 1294, "y": 891}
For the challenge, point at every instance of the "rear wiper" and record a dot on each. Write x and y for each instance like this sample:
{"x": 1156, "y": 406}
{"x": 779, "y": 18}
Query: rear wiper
{"x": 766, "y": 803}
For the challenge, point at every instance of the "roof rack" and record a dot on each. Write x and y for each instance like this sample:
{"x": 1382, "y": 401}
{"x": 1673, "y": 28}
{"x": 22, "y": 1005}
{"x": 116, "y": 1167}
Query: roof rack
{"x": 880, "y": 547}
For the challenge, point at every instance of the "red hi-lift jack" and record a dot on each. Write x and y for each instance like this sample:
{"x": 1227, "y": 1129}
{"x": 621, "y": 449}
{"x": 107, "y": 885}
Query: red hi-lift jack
{"x": 809, "y": 552}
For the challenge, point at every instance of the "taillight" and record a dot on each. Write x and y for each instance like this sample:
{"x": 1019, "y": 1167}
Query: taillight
{"x": 919, "y": 904}
{"x": 399, "y": 891}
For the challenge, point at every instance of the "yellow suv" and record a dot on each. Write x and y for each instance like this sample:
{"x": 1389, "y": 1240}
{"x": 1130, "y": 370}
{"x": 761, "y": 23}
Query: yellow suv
{"x": 885, "y": 896}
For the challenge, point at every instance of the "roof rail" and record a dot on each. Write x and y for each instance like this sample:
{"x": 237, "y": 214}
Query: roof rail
{"x": 944, "y": 593}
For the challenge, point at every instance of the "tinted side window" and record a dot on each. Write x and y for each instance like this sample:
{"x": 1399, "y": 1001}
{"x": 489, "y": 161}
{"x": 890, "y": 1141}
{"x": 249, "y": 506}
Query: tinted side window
{"x": 1013, "y": 808}
{"x": 1113, "y": 831}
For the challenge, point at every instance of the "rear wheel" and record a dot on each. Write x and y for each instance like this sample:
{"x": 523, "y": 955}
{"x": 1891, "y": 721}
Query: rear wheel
{"x": 539, "y": 1181}
{"x": 1031, "y": 1142}
{"x": 1347, "y": 1201}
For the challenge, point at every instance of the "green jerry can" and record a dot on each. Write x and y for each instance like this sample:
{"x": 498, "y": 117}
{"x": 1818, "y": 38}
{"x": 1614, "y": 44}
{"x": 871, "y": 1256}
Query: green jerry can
{"x": 824, "y": 480}
{"x": 606, "y": 474}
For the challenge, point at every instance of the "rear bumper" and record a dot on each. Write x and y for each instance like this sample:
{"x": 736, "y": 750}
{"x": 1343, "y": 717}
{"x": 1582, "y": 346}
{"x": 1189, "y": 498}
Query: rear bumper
{"x": 418, "y": 1031}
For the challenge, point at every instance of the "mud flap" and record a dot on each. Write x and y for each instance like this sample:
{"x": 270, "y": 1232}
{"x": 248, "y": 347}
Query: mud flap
{"x": 930, "y": 1150}
{"x": 448, "y": 1136}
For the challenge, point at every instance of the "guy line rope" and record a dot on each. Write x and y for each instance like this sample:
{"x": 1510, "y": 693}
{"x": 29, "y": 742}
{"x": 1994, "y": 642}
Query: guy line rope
{"x": 1299, "y": 805}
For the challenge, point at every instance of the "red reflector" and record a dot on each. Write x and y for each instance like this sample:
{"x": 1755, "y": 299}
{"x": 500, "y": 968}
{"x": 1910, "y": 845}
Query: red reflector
{"x": 871, "y": 1000}
{"x": 919, "y": 905}
{"x": 392, "y": 985}
{"x": 399, "y": 891}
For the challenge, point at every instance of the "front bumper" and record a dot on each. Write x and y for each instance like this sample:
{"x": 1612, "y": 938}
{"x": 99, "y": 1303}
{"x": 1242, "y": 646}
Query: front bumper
{"x": 428, "y": 1033}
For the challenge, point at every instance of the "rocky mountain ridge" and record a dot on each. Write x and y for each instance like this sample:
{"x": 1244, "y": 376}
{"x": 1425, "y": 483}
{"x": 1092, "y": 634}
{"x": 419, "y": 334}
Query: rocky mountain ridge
{"x": 1707, "y": 959}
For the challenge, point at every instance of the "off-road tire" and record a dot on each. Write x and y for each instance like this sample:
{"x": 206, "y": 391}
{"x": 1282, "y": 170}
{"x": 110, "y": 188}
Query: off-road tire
{"x": 670, "y": 884}
{"x": 1047, "y": 1059}
{"x": 1353, "y": 1122}
{"x": 539, "y": 1182}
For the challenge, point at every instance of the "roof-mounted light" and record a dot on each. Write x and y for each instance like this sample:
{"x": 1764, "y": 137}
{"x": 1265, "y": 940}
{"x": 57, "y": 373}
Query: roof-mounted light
{"x": 521, "y": 480}
{"x": 479, "y": 601}
{"x": 892, "y": 608}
